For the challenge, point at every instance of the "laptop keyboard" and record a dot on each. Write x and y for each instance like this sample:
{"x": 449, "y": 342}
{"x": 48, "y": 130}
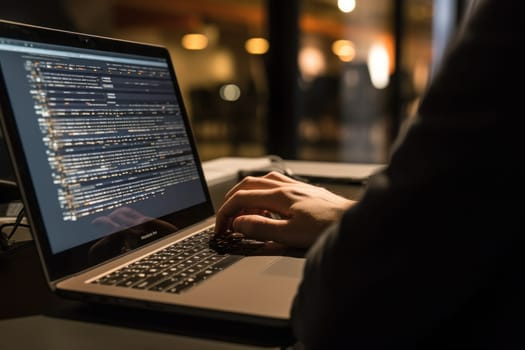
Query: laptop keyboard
{"x": 173, "y": 269}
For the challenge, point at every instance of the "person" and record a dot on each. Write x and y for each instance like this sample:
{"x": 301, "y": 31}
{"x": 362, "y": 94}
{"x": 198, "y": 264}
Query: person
{"x": 431, "y": 255}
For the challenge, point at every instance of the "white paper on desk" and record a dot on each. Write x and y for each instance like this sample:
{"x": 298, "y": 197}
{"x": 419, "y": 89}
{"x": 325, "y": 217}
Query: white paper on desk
{"x": 351, "y": 171}
{"x": 227, "y": 168}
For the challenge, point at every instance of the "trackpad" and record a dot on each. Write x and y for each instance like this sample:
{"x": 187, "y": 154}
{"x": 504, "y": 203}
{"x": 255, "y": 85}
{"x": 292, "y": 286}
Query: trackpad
{"x": 286, "y": 267}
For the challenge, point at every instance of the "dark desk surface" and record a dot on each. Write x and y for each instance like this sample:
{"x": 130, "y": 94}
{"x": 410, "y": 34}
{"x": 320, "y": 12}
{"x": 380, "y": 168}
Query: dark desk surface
{"x": 49, "y": 333}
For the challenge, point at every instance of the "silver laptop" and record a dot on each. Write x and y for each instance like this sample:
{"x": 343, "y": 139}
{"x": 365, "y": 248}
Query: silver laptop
{"x": 113, "y": 186}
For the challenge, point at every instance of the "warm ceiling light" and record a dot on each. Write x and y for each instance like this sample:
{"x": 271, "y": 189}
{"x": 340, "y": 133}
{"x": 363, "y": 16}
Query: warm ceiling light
{"x": 257, "y": 46}
{"x": 194, "y": 41}
{"x": 230, "y": 92}
{"x": 311, "y": 62}
{"x": 346, "y": 6}
{"x": 344, "y": 49}
{"x": 378, "y": 66}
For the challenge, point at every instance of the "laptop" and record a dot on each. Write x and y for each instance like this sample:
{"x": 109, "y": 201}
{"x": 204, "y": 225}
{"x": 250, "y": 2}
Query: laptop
{"x": 113, "y": 186}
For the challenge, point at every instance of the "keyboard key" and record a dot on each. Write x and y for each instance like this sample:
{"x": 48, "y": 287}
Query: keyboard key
{"x": 173, "y": 269}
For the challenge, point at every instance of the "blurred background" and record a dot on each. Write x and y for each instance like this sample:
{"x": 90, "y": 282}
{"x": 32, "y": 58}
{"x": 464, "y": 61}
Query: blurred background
{"x": 331, "y": 80}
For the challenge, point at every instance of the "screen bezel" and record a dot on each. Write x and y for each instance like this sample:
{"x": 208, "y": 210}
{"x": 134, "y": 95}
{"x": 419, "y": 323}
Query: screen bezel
{"x": 75, "y": 259}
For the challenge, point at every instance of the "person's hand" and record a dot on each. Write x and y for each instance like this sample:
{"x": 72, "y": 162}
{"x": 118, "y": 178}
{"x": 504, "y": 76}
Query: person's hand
{"x": 275, "y": 207}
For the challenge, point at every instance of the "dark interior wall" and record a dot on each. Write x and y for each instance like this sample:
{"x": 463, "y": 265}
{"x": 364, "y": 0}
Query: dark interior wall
{"x": 283, "y": 119}
{"x": 51, "y": 13}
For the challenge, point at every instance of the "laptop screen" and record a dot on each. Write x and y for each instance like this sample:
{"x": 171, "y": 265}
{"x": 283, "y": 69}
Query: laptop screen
{"x": 104, "y": 136}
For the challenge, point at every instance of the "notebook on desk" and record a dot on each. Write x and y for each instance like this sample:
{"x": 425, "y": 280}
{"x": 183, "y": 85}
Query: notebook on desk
{"x": 112, "y": 182}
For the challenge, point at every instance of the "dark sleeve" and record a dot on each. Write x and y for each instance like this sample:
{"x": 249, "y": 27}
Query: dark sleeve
{"x": 431, "y": 255}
